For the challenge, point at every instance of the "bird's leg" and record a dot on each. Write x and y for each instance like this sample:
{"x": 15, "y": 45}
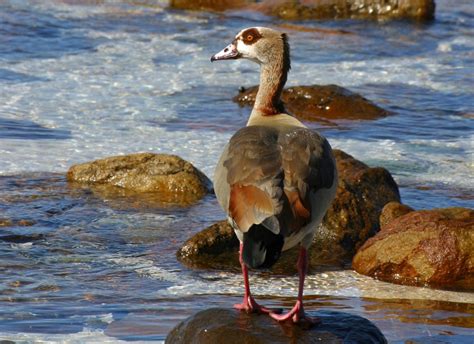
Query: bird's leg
{"x": 248, "y": 304}
{"x": 297, "y": 313}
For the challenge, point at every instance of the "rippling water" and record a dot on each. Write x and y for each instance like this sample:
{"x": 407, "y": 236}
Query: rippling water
{"x": 80, "y": 82}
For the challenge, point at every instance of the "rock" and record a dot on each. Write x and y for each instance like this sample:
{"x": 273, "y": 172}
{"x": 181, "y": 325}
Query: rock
{"x": 352, "y": 218}
{"x": 217, "y": 325}
{"x": 213, "y": 247}
{"x": 214, "y": 5}
{"x": 391, "y": 211}
{"x": 320, "y": 103}
{"x": 369, "y": 9}
{"x": 317, "y": 9}
{"x": 5, "y": 222}
{"x": 172, "y": 178}
{"x": 425, "y": 248}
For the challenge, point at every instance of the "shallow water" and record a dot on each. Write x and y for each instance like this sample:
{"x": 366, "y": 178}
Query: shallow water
{"x": 81, "y": 82}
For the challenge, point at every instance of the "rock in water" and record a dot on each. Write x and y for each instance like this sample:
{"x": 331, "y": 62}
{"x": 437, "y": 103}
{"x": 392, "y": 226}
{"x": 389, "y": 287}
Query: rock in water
{"x": 320, "y": 103}
{"x": 217, "y": 325}
{"x": 175, "y": 179}
{"x": 426, "y": 248}
{"x": 317, "y": 9}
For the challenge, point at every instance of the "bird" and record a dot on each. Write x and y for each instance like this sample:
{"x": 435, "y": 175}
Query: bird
{"x": 275, "y": 178}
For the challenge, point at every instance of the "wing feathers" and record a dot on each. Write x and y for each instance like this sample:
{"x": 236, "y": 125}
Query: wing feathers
{"x": 270, "y": 172}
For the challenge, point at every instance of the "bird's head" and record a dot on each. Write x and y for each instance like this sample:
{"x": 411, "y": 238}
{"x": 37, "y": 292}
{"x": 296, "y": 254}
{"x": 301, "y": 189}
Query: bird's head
{"x": 258, "y": 44}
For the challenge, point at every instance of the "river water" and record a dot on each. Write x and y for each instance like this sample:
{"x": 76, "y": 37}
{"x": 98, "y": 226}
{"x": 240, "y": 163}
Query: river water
{"x": 82, "y": 81}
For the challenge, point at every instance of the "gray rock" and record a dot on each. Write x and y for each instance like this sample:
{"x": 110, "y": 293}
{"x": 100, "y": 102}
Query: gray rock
{"x": 217, "y": 325}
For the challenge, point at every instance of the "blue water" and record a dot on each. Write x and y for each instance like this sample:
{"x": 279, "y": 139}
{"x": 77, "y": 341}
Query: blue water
{"x": 80, "y": 82}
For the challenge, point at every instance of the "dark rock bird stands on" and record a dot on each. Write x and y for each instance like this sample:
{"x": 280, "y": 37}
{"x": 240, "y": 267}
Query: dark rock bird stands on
{"x": 275, "y": 178}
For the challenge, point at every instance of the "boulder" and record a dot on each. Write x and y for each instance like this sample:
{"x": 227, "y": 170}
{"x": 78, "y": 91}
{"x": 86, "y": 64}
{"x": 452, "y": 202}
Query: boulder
{"x": 356, "y": 9}
{"x": 217, "y": 325}
{"x": 212, "y": 5}
{"x": 317, "y": 9}
{"x": 172, "y": 178}
{"x": 391, "y": 211}
{"x": 424, "y": 248}
{"x": 320, "y": 103}
{"x": 352, "y": 218}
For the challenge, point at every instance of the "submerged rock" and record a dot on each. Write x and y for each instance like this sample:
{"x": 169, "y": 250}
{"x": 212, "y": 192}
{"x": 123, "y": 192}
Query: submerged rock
{"x": 174, "y": 179}
{"x": 217, "y": 325}
{"x": 425, "y": 248}
{"x": 352, "y": 218}
{"x": 320, "y": 103}
{"x": 317, "y": 9}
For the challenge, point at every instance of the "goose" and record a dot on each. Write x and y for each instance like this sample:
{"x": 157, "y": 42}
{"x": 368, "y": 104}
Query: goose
{"x": 275, "y": 178}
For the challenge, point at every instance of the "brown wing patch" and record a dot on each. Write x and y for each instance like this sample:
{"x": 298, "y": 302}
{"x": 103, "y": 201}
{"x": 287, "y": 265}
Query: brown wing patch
{"x": 300, "y": 211}
{"x": 248, "y": 205}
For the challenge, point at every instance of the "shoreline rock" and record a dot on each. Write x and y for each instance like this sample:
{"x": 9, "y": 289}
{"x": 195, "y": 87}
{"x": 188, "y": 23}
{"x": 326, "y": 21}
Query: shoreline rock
{"x": 423, "y": 248}
{"x": 320, "y": 103}
{"x": 172, "y": 178}
{"x": 420, "y": 10}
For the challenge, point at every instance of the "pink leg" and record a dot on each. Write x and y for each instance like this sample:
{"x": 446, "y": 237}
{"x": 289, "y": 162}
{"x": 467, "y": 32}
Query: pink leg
{"x": 248, "y": 304}
{"x": 297, "y": 313}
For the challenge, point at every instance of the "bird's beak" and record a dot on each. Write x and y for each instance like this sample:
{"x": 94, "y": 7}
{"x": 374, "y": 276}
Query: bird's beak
{"x": 228, "y": 53}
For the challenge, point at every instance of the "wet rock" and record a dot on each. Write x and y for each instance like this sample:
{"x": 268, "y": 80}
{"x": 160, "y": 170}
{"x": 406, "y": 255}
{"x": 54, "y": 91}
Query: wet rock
{"x": 427, "y": 248}
{"x": 21, "y": 238}
{"x": 391, "y": 211}
{"x": 173, "y": 178}
{"x": 352, "y": 218}
{"x": 369, "y": 9}
{"x": 218, "y": 325}
{"x": 316, "y": 9}
{"x": 6, "y": 222}
{"x": 213, "y": 247}
{"x": 320, "y": 103}
{"x": 213, "y": 5}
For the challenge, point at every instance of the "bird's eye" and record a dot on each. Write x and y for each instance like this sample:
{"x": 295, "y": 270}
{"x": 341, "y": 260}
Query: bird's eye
{"x": 249, "y": 38}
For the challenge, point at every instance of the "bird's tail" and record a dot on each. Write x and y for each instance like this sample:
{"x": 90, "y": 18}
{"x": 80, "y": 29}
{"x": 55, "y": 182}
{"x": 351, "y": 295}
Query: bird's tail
{"x": 262, "y": 248}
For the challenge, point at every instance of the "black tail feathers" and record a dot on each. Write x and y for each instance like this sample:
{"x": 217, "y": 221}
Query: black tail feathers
{"x": 262, "y": 248}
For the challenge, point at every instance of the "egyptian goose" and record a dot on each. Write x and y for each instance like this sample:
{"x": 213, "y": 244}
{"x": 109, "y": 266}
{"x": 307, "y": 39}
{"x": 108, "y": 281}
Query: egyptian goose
{"x": 275, "y": 178}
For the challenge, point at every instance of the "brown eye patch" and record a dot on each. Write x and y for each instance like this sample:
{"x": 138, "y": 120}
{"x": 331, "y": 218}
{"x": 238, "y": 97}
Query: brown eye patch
{"x": 250, "y": 36}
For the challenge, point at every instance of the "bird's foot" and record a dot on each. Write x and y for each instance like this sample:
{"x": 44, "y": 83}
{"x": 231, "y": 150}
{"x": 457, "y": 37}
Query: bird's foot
{"x": 249, "y": 305}
{"x": 297, "y": 316}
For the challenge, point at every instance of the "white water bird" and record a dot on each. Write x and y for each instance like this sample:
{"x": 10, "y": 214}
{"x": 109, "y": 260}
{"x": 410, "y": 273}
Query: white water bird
{"x": 275, "y": 178}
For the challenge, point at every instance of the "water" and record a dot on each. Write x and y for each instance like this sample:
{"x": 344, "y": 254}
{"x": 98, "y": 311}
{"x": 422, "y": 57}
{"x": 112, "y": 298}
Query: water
{"x": 80, "y": 82}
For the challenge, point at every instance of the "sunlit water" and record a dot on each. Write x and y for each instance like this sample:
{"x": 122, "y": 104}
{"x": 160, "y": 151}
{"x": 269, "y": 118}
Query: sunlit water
{"x": 82, "y": 82}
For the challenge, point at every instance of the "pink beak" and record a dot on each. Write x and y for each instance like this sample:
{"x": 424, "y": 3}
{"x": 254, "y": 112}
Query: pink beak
{"x": 228, "y": 53}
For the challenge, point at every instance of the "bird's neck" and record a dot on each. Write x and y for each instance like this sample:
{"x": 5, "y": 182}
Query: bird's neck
{"x": 272, "y": 79}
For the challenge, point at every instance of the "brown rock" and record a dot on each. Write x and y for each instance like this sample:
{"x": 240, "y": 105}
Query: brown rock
{"x": 217, "y": 325}
{"x": 427, "y": 248}
{"x": 174, "y": 179}
{"x": 6, "y": 223}
{"x": 320, "y": 103}
{"x": 317, "y": 9}
{"x": 391, "y": 211}
{"x": 352, "y": 218}
{"x": 211, "y": 247}
{"x": 213, "y": 5}
{"x": 370, "y": 9}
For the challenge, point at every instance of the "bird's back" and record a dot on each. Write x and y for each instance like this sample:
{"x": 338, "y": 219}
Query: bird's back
{"x": 268, "y": 180}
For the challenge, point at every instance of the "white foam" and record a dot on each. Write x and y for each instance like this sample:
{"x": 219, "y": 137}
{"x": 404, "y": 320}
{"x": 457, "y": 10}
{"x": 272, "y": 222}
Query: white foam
{"x": 85, "y": 336}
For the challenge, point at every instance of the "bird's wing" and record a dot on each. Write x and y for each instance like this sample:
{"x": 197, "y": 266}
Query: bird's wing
{"x": 248, "y": 178}
{"x": 308, "y": 166}
{"x": 265, "y": 175}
